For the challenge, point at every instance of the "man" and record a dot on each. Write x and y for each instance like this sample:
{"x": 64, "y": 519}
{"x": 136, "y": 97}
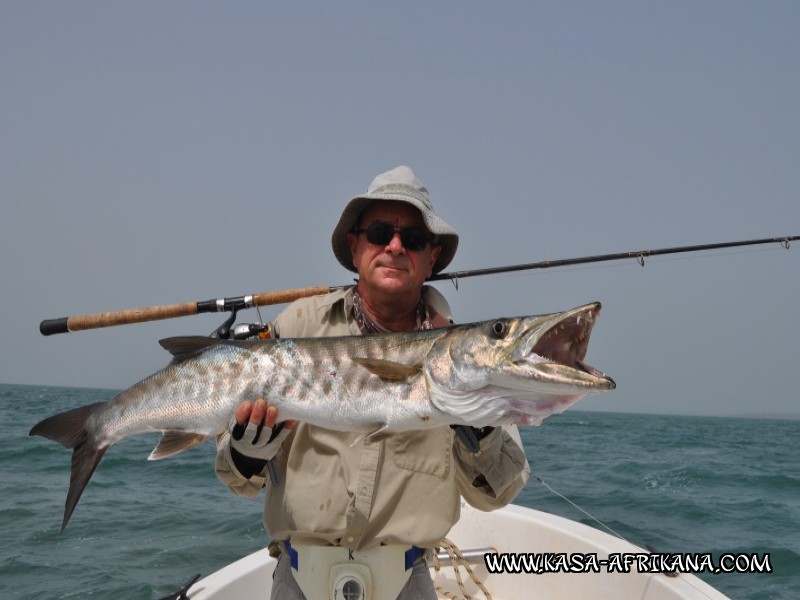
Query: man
{"x": 404, "y": 491}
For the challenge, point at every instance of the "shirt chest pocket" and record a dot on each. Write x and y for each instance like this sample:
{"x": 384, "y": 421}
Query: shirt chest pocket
{"x": 429, "y": 451}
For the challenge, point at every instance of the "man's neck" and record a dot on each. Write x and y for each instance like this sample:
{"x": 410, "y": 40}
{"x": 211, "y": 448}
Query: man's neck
{"x": 392, "y": 312}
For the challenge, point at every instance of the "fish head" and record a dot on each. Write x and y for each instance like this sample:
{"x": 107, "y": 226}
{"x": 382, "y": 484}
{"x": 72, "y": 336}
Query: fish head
{"x": 515, "y": 370}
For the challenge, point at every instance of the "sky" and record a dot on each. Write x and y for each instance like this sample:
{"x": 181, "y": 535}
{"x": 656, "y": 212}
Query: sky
{"x": 154, "y": 153}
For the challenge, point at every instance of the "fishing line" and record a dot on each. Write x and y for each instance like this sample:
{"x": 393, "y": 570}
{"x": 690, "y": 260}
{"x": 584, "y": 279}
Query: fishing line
{"x": 595, "y": 519}
{"x": 614, "y": 533}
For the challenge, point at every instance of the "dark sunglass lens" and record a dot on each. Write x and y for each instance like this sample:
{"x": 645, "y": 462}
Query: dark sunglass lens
{"x": 413, "y": 239}
{"x": 380, "y": 233}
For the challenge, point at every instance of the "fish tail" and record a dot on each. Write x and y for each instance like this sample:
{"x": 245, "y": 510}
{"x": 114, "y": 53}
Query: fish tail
{"x": 69, "y": 430}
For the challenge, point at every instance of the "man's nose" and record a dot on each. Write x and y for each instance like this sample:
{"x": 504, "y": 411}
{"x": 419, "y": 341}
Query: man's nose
{"x": 395, "y": 244}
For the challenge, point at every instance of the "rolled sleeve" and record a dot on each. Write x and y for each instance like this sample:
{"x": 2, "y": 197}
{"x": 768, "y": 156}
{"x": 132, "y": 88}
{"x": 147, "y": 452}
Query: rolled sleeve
{"x": 493, "y": 476}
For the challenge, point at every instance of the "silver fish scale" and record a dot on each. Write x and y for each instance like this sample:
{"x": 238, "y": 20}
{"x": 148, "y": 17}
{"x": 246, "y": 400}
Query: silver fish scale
{"x": 314, "y": 380}
{"x": 198, "y": 395}
{"x": 318, "y": 382}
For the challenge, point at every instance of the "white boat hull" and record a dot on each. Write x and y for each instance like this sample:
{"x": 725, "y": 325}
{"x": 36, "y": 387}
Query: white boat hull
{"x": 513, "y": 529}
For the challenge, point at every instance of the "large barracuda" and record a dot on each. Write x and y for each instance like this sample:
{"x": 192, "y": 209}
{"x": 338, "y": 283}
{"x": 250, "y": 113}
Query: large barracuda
{"x": 507, "y": 371}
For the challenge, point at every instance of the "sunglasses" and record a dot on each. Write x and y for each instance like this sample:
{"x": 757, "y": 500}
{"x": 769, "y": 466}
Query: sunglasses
{"x": 381, "y": 234}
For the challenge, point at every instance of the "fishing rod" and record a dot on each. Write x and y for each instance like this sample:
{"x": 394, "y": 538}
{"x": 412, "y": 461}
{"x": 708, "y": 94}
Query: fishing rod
{"x": 639, "y": 255}
{"x": 234, "y": 304}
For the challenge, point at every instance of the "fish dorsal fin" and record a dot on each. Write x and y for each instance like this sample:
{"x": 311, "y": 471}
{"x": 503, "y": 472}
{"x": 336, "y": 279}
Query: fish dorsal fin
{"x": 388, "y": 370}
{"x": 185, "y": 347}
{"x": 378, "y": 434}
{"x": 174, "y": 442}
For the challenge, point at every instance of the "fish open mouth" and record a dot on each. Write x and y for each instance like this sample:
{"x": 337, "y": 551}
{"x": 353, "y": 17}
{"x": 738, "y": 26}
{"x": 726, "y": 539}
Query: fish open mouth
{"x": 567, "y": 340}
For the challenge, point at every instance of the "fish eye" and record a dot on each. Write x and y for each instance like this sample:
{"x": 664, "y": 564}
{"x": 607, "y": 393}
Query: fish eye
{"x": 499, "y": 329}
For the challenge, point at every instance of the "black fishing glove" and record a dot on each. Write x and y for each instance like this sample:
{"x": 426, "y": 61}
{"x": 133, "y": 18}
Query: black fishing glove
{"x": 253, "y": 445}
{"x": 472, "y": 436}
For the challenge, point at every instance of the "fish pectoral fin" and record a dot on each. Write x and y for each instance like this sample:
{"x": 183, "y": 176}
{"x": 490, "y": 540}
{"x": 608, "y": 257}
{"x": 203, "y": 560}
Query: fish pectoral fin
{"x": 388, "y": 370}
{"x": 372, "y": 437}
{"x": 174, "y": 442}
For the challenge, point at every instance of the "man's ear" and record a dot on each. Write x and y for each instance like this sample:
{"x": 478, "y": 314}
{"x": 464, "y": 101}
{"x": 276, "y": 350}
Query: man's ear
{"x": 352, "y": 242}
{"x": 435, "y": 252}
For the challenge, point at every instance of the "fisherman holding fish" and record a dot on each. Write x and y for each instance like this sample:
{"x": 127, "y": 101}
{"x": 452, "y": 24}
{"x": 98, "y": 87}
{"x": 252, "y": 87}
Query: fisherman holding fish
{"x": 380, "y": 499}
{"x": 380, "y": 435}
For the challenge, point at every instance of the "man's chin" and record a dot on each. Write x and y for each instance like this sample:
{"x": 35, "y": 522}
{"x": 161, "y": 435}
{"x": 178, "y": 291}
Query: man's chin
{"x": 386, "y": 272}
{"x": 393, "y": 280}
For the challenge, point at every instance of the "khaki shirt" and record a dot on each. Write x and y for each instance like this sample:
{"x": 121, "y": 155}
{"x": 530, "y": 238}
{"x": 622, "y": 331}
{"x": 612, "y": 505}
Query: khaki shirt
{"x": 403, "y": 490}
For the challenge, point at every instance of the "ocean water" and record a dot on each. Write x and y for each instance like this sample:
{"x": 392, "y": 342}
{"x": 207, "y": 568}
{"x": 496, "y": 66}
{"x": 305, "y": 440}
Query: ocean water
{"x": 678, "y": 484}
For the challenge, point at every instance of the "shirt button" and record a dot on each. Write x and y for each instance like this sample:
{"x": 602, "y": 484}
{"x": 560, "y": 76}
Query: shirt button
{"x": 350, "y": 539}
{"x": 364, "y": 490}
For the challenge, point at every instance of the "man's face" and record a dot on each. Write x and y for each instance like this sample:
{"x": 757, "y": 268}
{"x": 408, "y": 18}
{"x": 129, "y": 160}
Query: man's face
{"x": 390, "y": 267}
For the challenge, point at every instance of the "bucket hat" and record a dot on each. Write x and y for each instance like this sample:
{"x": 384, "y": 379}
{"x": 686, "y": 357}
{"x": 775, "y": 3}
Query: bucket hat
{"x": 401, "y": 185}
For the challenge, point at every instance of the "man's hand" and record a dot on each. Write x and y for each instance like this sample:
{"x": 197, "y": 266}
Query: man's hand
{"x": 253, "y": 431}
{"x": 259, "y": 413}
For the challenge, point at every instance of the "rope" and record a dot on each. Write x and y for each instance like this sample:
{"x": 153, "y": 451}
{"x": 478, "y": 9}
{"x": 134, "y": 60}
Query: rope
{"x": 457, "y": 560}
